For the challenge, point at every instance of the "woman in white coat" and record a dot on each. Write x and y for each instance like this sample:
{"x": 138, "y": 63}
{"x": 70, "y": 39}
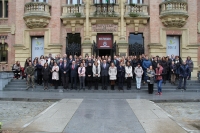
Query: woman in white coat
{"x": 128, "y": 75}
{"x": 113, "y": 75}
{"x": 55, "y": 75}
{"x": 96, "y": 74}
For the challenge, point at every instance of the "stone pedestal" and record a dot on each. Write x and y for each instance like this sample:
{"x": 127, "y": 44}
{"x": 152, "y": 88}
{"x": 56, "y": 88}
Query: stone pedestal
{"x": 5, "y": 77}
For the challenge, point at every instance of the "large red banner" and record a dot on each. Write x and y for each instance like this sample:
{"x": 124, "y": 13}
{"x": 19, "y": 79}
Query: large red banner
{"x": 104, "y": 41}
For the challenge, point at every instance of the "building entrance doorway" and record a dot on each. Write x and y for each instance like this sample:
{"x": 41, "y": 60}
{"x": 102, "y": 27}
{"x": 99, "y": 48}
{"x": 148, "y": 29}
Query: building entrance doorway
{"x": 136, "y": 44}
{"x": 104, "y": 52}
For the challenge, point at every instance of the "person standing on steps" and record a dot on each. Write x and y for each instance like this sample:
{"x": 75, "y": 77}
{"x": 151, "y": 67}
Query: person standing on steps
{"x": 151, "y": 75}
{"x": 73, "y": 74}
{"x": 55, "y": 75}
{"x": 120, "y": 75}
{"x": 113, "y": 75}
{"x": 159, "y": 79}
{"x": 96, "y": 70}
{"x": 146, "y": 64}
{"x": 30, "y": 75}
{"x": 190, "y": 64}
{"x": 104, "y": 74}
{"x": 65, "y": 74}
{"x": 184, "y": 75}
{"x": 173, "y": 73}
{"x": 89, "y": 75}
{"x": 45, "y": 73}
{"x": 128, "y": 75}
{"x": 138, "y": 75}
{"x": 81, "y": 73}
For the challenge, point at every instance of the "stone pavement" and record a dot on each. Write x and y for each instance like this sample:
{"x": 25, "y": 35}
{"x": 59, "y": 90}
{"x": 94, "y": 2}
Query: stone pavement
{"x": 100, "y": 116}
{"x": 31, "y": 95}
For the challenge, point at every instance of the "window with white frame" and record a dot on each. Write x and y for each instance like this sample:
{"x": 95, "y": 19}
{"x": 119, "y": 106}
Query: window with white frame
{"x": 3, "y": 8}
{"x": 135, "y": 1}
{"x": 72, "y": 2}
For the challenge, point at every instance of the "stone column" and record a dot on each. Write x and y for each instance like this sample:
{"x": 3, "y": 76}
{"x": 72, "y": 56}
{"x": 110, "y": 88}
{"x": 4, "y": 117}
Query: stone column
{"x": 122, "y": 44}
{"x": 122, "y": 37}
{"x": 86, "y": 45}
{"x": 87, "y": 8}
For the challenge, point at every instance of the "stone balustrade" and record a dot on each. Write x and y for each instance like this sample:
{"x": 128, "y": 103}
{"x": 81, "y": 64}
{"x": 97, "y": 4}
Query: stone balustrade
{"x": 72, "y": 10}
{"x": 139, "y": 9}
{"x": 173, "y": 7}
{"x": 174, "y": 13}
{"x": 37, "y": 14}
{"x": 40, "y": 7}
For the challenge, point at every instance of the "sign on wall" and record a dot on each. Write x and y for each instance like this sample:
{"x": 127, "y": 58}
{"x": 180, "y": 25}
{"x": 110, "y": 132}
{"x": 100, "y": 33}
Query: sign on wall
{"x": 104, "y": 28}
{"x": 173, "y": 45}
{"x": 104, "y": 41}
{"x": 37, "y": 47}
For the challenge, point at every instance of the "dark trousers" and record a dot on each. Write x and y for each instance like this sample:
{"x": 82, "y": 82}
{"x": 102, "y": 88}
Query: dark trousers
{"x": 129, "y": 82}
{"x": 104, "y": 82}
{"x": 60, "y": 79}
{"x": 96, "y": 81}
{"x": 39, "y": 79}
{"x": 181, "y": 80}
{"x": 65, "y": 81}
{"x": 17, "y": 74}
{"x": 120, "y": 82}
{"x": 55, "y": 82}
{"x": 50, "y": 78}
{"x": 73, "y": 81}
{"x": 45, "y": 82}
{"x": 89, "y": 81}
{"x": 150, "y": 88}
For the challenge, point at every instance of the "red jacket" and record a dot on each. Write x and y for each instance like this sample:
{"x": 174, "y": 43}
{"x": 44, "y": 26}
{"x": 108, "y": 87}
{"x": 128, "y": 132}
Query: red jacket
{"x": 159, "y": 72}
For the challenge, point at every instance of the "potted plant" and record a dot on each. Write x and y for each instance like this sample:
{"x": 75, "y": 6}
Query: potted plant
{"x": 133, "y": 14}
{"x": 78, "y": 14}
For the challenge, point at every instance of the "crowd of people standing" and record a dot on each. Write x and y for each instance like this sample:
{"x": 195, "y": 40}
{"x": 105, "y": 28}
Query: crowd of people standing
{"x": 68, "y": 71}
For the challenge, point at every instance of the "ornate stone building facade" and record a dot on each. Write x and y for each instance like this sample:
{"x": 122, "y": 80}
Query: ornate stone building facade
{"x": 98, "y": 27}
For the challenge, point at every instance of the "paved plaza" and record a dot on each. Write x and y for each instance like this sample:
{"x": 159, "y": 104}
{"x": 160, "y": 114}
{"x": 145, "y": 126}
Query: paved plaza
{"x": 99, "y": 116}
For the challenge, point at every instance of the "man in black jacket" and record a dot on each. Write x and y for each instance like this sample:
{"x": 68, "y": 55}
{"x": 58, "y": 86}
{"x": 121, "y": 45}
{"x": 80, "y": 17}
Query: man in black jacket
{"x": 73, "y": 74}
{"x": 89, "y": 75}
{"x": 104, "y": 74}
{"x": 65, "y": 74}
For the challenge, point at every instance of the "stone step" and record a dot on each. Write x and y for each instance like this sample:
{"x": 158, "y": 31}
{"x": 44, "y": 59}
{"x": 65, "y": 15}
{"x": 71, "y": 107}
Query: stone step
{"x": 60, "y": 89}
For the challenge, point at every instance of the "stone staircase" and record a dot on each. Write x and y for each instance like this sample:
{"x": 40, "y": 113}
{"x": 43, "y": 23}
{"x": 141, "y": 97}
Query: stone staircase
{"x": 20, "y": 85}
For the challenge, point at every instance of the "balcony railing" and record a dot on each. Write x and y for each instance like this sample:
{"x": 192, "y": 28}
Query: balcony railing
{"x": 137, "y": 9}
{"x": 173, "y": 7}
{"x": 174, "y": 13}
{"x": 105, "y": 10}
{"x": 73, "y": 10}
{"x": 37, "y": 14}
{"x": 40, "y": 8}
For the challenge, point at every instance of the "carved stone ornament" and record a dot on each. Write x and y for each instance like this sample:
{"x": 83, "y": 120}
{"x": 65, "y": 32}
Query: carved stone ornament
{"x": 36, "y": 22}
{"x": 174, "y": 21}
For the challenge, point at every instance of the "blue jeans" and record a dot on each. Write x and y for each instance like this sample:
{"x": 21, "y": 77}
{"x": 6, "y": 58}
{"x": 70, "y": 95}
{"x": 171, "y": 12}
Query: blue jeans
{"x": 145, "y": 76}
{"x": 159, "y": 85}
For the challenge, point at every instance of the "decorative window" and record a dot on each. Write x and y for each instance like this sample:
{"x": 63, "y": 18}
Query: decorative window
{"x": 73, "y": 2}
{"x": 40, "y": 1}
{"x": 135, "y": 1}
{"x": 3, "y": 52}
{"x": 3, "y": 8}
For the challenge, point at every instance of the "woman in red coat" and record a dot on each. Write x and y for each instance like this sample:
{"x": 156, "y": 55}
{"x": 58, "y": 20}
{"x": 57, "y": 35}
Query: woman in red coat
{"x": 159, "y": 78}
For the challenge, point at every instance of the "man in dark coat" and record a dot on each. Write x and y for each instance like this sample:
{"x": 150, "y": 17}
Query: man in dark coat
{"x": 39, "y": 73}
{"x": 89, "y": 75}
{"x": 115, "y": 61}
{"x": 65, "y": 74}
{"x": 184, "y": 74}
{"x": 60, "y": 73}
{"x": 104, "y": 74}
{"x": 120, "y": 75}
{"x": 73, "y": 74}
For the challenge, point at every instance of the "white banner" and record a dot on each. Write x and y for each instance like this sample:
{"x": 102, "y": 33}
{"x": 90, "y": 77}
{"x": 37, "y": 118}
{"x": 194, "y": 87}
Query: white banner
{"x": 173, "y": 45}
{"x": 37, "y": 47}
